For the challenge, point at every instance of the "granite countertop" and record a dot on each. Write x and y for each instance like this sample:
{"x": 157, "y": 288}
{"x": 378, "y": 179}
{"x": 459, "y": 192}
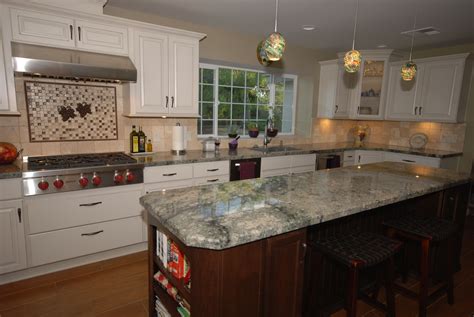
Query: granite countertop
{"x": 10, "y": 171}
{"x": 195, "y": 156}
{"x": 225, "y": 215}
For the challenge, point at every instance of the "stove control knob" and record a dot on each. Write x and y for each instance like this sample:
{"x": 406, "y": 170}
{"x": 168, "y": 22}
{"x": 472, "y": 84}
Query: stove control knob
{"x": 58, "y": 183}
{"x": 118, "y": 178}
{"x": 43, "y": 185}
{"x": 83, "y": 181}
{"x": 130, "y": 177}
{"x": 96, "y": 180}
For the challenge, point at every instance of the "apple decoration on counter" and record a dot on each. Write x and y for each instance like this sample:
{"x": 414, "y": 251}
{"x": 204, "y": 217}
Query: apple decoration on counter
{"x": 8, "y": 153}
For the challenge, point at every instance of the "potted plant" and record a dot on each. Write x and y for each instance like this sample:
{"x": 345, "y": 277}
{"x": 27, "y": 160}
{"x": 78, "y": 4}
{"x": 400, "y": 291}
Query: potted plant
{"x": 252, "y": 128}
{"x": 233, "y": 132}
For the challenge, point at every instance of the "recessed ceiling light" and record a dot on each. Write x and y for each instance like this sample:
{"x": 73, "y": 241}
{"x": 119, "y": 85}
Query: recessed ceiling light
{"x": 309, "y": 27}
{"x": 382, "y": 45}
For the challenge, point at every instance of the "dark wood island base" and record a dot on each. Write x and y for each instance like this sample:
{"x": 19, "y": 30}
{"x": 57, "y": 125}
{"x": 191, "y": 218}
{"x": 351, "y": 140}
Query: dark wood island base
{"x": 273, "y": 276}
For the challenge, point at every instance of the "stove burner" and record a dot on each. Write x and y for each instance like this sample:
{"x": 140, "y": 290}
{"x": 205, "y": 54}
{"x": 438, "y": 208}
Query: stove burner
{"x": 80, "y": 160}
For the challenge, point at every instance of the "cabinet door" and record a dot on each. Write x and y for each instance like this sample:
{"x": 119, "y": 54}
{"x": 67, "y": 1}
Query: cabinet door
{"x": 184, "y": 75}
{"x": 441, "y": 89}
{"x": 152, "y": 66}
{"x": 106, "y": 38}
{"x": 370, "y": 92}
{"x": 12, "y": 237}
{"x": 40, "y": 28}
{"x": 402, "y": 94}
{"x": 328, "y": 75}
{"x": 345, "y": 85}
{"x": 284, "y": 271}
{"x": 4, "y": 104}
{"x": 368, "y": 157}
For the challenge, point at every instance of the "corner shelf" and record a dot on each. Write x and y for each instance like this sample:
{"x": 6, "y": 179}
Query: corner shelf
{"x": 182, "y": 290}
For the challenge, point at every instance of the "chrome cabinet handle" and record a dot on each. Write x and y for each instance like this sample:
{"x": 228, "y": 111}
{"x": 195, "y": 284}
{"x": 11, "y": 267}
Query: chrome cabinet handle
{"x": 79, "y": 32}
{"x": 213, "y": 170}
{"x": 409, "y": 161}
{"x": 167, "y": 100}
{"x": 337, "y": 108}
{"x": 19, "y": 215}
{"x": 91, "y": 233}
{"x": 359, "y": 158}
{"x": 170, "y": 174}
{"x": 90, "y": 204}
{"x": 416, "y": 109}
{"x": 172, "y": 101}
{"x": 419, "y": 111}
{"x": 212, "y": 180}
{"x": 70, "y": 30}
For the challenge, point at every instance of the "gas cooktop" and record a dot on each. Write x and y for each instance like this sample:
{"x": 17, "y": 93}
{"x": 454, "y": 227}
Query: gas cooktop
{"x": 63, "y": 173}
{"x": 78, "y": 160}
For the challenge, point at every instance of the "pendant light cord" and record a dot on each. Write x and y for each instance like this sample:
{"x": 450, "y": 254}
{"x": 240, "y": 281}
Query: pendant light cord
{"x": 355, "y": 25}
{"x": 413, "y": 37}
{"x": 276, "y": 15}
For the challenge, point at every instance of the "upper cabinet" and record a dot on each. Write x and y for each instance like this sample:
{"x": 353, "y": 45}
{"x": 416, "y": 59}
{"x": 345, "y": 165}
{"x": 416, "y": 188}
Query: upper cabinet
{"x": 359, "y": 95}
{"x": 7, "y": 81}
{"x": 434, "y": 94}
{"x": 4, "y": 104}
{"x": 58, "y": 30}
{"x": 168, "y": 70}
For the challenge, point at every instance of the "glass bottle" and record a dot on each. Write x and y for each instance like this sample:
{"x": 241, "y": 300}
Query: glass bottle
{"x": 134, "y": 140}
{"x": 141, "y": 140}
{"x": 149, "y": 146}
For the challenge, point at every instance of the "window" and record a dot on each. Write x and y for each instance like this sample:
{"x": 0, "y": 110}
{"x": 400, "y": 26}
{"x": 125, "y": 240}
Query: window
{"x": 231, "y": 98}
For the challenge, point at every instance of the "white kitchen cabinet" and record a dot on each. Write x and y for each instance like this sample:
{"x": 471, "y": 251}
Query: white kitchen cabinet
{"x": 368, "y": 157}
{"x": 434, "y": 94}
{"x": 412, "y": 159}
{"x": 59, "y": 30}
{"x": 334, "y": 90}
{"x": 4, "y": 103}
{"x": 284, "y": 165}
{"x": 168, "y": 70}
{"x": 7, "y": 83}
{"x": 12, "y": 237}
{"x": 348, "y": 158}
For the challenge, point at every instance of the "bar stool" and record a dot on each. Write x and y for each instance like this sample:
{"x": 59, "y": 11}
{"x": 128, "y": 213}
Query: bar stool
{"x": 427, "y": 232}
{"x": 359, "y": 251}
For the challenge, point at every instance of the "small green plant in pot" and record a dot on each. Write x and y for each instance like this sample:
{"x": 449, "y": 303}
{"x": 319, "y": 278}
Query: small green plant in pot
{"x": 252, "y": 128}
{"x": 233, "y": 131}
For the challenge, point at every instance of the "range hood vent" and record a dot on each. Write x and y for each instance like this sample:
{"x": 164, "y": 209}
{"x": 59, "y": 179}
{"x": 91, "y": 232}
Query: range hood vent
{"x": 61, "y": 63}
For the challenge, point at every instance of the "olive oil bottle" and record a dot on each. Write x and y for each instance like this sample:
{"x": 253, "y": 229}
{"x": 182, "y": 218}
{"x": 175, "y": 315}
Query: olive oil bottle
{"x": 141, "y": 140}
{"x": 134, "y": 142}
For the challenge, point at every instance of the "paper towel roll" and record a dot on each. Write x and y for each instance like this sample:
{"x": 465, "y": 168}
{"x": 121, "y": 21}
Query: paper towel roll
{"x": 178, "y": 138}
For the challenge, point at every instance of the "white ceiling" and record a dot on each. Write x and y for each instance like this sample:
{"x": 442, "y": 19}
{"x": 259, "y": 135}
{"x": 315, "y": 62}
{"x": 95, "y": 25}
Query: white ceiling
{"x": 380, "y": 21}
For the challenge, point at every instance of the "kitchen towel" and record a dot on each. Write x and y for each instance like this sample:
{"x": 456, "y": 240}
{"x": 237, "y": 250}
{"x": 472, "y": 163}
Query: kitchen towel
{"x": 247, "y": 170}
{"x": 178, "y": 138}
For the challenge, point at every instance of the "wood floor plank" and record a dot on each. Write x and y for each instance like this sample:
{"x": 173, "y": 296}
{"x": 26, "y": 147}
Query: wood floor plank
{"x": 134, "y": 309}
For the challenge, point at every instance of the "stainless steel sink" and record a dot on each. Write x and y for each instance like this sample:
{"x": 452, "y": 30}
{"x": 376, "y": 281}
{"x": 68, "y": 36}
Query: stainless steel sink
{"x": 272, "y": 149}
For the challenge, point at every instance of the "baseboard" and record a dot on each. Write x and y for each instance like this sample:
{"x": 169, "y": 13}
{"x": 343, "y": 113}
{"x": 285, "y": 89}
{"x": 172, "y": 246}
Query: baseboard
{"x": 71, "y": 263}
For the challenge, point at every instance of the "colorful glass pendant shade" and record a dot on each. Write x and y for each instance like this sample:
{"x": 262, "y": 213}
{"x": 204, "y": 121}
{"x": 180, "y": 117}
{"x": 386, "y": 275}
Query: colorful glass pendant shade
{"x": 275, "y": 46}
{"x": 275, "y": 43}
{"x": 408, "y": 71}
{"x": 262, "y": 55}
{"x": 353, "y": 59}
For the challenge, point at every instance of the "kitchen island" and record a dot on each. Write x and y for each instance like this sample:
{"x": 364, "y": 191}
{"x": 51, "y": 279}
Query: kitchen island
{"x": 246, "y": 241}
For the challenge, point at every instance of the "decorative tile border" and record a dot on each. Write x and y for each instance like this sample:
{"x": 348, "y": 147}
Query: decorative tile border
{"x": 70, "y": 112}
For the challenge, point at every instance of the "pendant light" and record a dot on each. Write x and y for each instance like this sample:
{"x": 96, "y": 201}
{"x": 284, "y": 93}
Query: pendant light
{"x": 352, "y": 59}
{"x": 262, "y": 55}
{"x": 409, "y": 69}
{"x": 274, "y": 45}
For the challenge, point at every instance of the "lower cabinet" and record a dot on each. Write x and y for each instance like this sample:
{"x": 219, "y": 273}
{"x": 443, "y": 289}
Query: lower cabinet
{"x": 283, "y": 165}
{"x": 12, "y": 237}
{"x": 368, "y": 157}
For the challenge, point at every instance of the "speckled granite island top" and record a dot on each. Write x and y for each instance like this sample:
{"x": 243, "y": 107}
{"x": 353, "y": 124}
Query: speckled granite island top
{"x": 196, "y": 156}
{"x": 230, "y": 214}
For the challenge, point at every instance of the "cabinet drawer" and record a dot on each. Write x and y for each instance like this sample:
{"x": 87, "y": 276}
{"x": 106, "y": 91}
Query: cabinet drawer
{"x": 211, "y": 168}
{"x": 303, "y": 169}
{"x": 303, "y": 160}
{"x": 73, "y": 242}
{"x": 413, "y": 159}
{"x": 58, "y": 211}
{"x": 349, "y": 156}
{"x": 155, "y": 187}
{"x": 10, "y": 188}
{"x": 168, "y": 173}
{"x": 211, "y": 180}
{"x": 277, "y": 162}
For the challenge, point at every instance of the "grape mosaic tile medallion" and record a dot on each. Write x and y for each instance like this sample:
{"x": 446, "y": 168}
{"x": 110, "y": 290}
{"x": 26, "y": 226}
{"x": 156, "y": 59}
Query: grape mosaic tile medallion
{"x": 70, "y": 112}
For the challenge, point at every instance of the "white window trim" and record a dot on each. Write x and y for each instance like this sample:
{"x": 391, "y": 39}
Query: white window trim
{"x": 216, "y": 67}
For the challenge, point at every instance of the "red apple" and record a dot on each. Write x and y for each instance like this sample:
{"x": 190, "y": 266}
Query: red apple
{"x": 8, "y": 153}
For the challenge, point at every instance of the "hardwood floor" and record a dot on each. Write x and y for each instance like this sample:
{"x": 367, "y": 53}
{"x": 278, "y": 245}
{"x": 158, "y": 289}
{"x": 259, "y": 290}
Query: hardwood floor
{"x": 118, "y": 287}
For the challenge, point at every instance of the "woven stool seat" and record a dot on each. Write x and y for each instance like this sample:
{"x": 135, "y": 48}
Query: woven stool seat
{"x": 365, "y": 248}
{"x": 431, "y": 228}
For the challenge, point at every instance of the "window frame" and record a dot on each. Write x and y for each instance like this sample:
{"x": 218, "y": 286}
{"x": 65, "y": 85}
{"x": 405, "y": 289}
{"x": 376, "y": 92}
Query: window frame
{"x": 216, "y": 102}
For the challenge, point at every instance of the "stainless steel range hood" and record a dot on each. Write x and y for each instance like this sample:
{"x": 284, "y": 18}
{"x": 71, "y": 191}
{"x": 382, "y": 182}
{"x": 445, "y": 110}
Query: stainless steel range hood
{"x": 71, "y": 64}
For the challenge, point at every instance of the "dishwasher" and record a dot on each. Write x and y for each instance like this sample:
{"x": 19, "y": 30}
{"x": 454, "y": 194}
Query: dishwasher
{"x": 245, "y": 169}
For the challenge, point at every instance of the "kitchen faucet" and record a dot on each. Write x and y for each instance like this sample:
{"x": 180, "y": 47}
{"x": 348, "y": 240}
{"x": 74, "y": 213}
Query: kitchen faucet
{"x": 266, "y": 138}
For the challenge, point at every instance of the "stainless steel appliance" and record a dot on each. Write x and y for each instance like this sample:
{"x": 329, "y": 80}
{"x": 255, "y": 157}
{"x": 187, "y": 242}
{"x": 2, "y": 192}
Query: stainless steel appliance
{"x": 329, "y": 160}
{"x": 63, "y": 173}
{"x": 236, "y": 172}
